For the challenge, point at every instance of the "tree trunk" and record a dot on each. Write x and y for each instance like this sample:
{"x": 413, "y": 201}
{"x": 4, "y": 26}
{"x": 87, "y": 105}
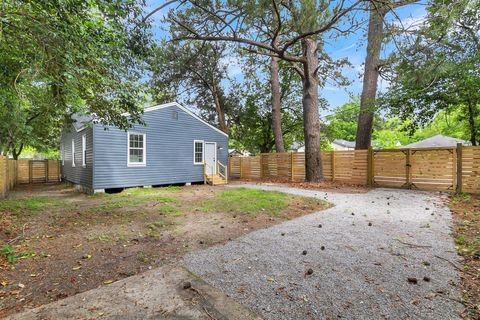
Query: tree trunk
{"x": 370, "y": 77}
{"x": 276, "y": 113}
{"x": 471, "y": 123}
{"x": 311, "y": 120}
{"x": 218, "y": 108}
{"x": 16, "y": 153}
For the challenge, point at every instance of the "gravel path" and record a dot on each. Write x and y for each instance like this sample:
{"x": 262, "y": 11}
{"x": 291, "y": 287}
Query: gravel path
{"x": 360, "y": 271}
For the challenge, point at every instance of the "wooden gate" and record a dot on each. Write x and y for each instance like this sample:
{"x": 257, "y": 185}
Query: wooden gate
{"x": 38, "y": 171}
{"x": 423, "y": 169}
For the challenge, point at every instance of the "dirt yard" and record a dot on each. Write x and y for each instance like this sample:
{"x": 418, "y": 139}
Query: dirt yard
{"x": 56, "y": 242}
{"x": 466, "y": 213}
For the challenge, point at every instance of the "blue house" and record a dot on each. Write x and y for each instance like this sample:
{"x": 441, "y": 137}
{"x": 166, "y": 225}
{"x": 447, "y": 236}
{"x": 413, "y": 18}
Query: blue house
{"x": 173, "y": 147}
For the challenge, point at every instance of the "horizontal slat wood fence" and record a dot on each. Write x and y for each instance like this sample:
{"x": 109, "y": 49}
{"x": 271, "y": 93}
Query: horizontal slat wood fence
{"x": 439, "y": 169}
{"x": 13, "y": 172}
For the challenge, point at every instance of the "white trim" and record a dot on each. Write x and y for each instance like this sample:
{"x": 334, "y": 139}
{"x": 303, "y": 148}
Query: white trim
{"x": 165, "y": 105}
{"x": 137, "y": 164}
{"x": 215, "y": 148}
{"x": 176, "y": 104}
{"x": 203, "y": 152}
{"x": 73, "y": 152}
{"x": 84, "y": 149}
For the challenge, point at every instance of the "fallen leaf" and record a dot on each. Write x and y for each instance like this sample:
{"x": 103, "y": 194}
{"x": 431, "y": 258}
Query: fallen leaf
{"x": 76, "y": 268}
{"x": 107, "y": 281}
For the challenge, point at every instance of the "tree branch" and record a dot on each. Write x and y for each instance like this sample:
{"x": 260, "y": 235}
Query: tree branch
{"x": 158, "y": 9}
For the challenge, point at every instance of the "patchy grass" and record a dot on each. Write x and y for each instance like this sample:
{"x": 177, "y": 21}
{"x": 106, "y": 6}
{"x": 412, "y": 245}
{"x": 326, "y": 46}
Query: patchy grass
{"x": 29, "y": 205}
{"x": 466, "y": 231}
{"x": 255, "y": 201}
{"x": 85, "y": 241}
{"x": 247, "y": 201}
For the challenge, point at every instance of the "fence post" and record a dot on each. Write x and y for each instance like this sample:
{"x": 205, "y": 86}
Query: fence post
{"x": 261, "y": 166}
{"x": 30, "y": 171}
{"x": 370, "y": 166}
{"x": 408, "y": 170}
{"x": 459, "y": 167}
{"x": 46, "y": 170}
{"x": 333, "y": 165}
{"x": 292, "y": 165}
{"x": 241, "y": 168}
{"x": 229, "y": 168}
{"x": 2, "y": 177}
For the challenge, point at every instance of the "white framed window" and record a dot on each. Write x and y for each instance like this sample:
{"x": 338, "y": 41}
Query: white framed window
{"x": 84, "y": 150}
{"x": 73, "y": 152}
{"x": 198, "y": 153}
{"x": 137, "y": 151}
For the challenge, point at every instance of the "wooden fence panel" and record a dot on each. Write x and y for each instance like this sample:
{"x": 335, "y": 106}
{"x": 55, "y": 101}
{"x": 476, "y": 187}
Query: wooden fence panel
{"x": 12, "y": 173}
{"x": 3, "y": 177}
{"x": 8, "y": 175}
{"x": 234, "y": 167}
{"x": 277, "y": 166}
{"x": 23, "y": 171}
{"x": 299, "y": 166}
{"x": 433, "y": 169}
{"x": 38, "y": 171}
{"x": 327, "y": 165}
{"x": 389, "y": 168}
{"x": 471, "y": 169}
{"x": 251, "y": 168}
{"x": 53, "y": 169}
{"x": 424, "y": 169}
{"x": 351, "y": 166}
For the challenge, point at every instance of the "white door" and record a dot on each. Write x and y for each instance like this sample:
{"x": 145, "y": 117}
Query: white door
{"x": 211, "y": 157}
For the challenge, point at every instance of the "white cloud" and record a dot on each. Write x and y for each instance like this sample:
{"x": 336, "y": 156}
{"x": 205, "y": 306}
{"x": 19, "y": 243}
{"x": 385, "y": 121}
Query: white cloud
{"x": 353, "y": 45}
{"x": 331, "y": 88}
{"x": 411, "y": 23}
{"x": 232, "y": 64}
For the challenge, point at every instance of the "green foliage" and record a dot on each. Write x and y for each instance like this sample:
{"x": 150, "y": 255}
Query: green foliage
{"x": 342, "y": 124}
{"x": 252, "y": 129}
{"x": 30, "y": 205}
{"x": 440, "y": 69}
{"x": 247, "y": 201}
{"x": 11, "y": 256}
{"x": 60, "y": 57}
{"x": 196, "y": 74}
{"x": 9, "y": 252}
{"x": 392, "y": 132}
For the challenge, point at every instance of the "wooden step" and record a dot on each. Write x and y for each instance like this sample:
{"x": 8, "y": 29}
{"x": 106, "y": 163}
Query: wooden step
{"x": 216, "y": 180}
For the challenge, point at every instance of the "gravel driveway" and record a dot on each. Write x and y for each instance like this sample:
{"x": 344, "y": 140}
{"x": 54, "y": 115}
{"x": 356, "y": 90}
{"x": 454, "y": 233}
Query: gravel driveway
{"x": 362, "y": 253}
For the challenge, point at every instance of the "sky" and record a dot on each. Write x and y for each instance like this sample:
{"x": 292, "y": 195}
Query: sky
{"x": 352, "y": 47}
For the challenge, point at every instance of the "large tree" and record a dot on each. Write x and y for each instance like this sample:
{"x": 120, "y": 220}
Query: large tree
{"x": 253, "y": 130}
{"x": 297, "y": 29}
{"x": 441, "y": 68}
{"x": 197, "y": 73}
{"x": 60, "y": 57}
{"x": 378, "y": 9}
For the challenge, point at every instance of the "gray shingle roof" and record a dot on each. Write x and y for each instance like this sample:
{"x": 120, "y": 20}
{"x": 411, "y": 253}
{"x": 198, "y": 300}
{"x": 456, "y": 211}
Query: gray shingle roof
{"x": 435, "y": 141}
{"x": 80, "y": 120}
{"x": 344, "y": 143}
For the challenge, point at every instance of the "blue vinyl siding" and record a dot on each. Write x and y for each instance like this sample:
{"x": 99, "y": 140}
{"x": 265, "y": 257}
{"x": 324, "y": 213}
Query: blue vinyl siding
{"x": 169, "y": 153}
{"x": 78, "y": 174}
